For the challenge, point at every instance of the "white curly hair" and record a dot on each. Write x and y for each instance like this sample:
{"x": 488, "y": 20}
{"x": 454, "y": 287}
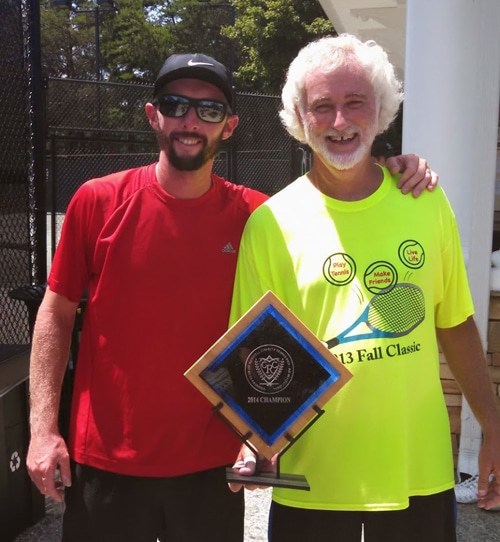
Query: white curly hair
{"x": 328, "y": 54}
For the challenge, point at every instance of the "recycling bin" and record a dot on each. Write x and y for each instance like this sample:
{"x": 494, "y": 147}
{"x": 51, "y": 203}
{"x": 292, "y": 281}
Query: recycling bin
{"x": 32, "y": 297}
{"x": 21, "y": 504}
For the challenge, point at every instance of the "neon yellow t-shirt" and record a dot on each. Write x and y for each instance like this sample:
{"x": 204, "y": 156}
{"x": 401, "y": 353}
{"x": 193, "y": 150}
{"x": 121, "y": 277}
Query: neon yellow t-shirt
{"x": 385, "y": 436}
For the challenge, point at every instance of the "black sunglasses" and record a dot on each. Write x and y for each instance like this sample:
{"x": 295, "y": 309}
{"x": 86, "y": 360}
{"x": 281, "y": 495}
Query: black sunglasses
{"x": 171, "y": 105}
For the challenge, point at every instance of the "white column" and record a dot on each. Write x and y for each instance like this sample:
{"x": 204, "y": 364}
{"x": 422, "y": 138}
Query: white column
{"x": 452, "y": 78}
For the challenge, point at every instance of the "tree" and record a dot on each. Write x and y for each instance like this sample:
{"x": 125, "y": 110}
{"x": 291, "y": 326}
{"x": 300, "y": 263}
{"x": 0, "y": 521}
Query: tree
{"x": 198, "y": 26}
{"x": 132, "y": 42}
{"x": 68, "y": 46}
{"x": 269, "y": 34}
{"x": 138, "y": 41}
{"x": 258, "y": 38}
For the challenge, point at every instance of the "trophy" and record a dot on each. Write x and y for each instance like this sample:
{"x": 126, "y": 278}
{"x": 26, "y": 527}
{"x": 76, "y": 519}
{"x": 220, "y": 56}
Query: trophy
{"x": 268, "y": 378}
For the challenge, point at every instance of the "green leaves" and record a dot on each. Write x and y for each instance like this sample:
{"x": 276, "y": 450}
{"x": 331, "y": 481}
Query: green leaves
{"x": 135, "y": 40}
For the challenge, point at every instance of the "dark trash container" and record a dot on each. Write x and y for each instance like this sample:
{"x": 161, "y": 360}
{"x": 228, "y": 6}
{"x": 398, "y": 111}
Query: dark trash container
{"x": 32, "y": 297}
{"x": 21, "y": 504}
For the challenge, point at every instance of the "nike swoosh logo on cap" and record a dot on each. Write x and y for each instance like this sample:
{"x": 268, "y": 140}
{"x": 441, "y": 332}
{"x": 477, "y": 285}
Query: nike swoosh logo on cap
{"x": 193, "y": 63}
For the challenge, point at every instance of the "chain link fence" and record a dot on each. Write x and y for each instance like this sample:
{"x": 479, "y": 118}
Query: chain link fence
{"x": 17, "y": 222}
{"x": 91, "y": 128}
{"x": 267, "y": 158}
{"x": 20, "y": 504}
{"x": 95, "y": 128}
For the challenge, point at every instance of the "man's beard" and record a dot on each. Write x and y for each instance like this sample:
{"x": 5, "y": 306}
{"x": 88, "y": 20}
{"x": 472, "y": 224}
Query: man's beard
{"x": 192, "y": 163}
{"x": 342, "y": 161}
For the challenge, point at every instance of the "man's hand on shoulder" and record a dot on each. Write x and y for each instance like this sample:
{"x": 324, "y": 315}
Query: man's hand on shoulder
{"x": 416, "y": 175}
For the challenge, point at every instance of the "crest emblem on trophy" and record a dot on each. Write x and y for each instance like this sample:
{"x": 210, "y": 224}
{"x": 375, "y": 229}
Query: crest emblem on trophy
{"x": 269, "y": 369}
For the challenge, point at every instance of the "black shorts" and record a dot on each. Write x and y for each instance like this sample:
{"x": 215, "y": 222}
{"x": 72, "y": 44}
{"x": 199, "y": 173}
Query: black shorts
{"x": 428, "y": 519}
{"x": 107, "y": 507}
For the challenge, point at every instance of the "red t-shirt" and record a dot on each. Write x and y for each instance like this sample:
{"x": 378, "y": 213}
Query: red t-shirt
{"x": 159, "y": 273}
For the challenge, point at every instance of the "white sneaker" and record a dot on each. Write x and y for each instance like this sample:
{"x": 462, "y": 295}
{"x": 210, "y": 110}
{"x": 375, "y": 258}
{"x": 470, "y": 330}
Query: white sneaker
{"x": 466, "y": 491}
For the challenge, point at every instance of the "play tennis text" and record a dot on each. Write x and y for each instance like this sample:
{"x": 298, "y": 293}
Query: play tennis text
{"x": 378, "y": 352}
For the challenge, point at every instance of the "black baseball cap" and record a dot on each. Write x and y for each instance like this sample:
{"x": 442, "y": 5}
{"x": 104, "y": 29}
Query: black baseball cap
{"x": 195, "y": 66}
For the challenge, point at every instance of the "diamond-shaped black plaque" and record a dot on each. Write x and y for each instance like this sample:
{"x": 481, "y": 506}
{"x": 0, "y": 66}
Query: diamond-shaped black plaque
{"x": 268, "y": 375}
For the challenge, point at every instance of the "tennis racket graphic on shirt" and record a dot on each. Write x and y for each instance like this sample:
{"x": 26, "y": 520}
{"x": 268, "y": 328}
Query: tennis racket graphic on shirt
{"x": 390, "y": 313}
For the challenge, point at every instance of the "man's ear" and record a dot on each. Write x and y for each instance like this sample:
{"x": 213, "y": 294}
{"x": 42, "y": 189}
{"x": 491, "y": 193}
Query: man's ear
{"x": 231, "y": 123}
{"x": 152, "y": 114}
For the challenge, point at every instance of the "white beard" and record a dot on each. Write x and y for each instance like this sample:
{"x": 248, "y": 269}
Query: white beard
{"x": 342, "y": 161}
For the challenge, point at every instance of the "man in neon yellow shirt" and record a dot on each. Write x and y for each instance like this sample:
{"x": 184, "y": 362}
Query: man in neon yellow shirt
{"x": 335, "y": 243}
